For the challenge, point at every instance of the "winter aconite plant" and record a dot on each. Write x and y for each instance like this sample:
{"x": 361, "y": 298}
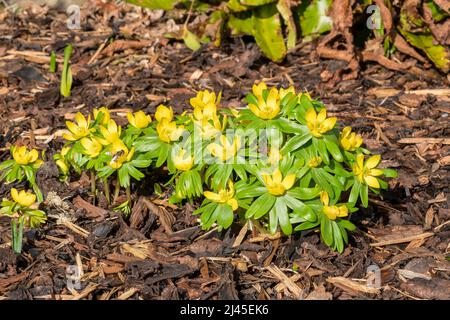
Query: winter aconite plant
{"x": 23, "y": 165}
{"x": 22, "y": 210}
{"x": 281, "y": 163}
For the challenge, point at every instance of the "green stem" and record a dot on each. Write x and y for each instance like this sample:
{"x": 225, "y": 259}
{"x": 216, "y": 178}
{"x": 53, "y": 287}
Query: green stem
{"x": 128, "y": 191}
{"x": 17, "y": 236}
{"x": 106, "y": 190}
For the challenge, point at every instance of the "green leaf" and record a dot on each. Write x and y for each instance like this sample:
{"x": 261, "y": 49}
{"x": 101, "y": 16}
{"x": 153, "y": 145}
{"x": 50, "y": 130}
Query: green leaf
{"x": 280, "y": 209}
{"x": 154, "y": 4}
{"x": 313, "y": 17}
{"x": 66, "y": 77}
{"x": 307, "y": 225}
{"x": 225, "y": 215}
{"x": 301, "y": 211}
{"x": 255, "y": 3}
{"x": 124, "y": 177}
{"x": 333, "y": 147}
{"x": 52, "y": 67}
{"x": 240, "y": 23}
{"x": 390, "y": 173}
{"x": 284, "y": 8}
{"x": 163, "y": 154}
{"x": 363, "y": 193}
{"x": 296, "y": 142}
{"x": 7, "y": 164}
{"x": 338, "y": 242}
{"x": 304, "y": 193}
{"x": 191, "y": 40}
{"x": 260, "y": 206}
{"x": 347, "y": 225}
{"x": 414, "y": 29}
{"x": 236, "y": 6}
{"x": 326, "y": 230}
{"x": 354, "y": 193}
{"x": 135, "y": 173}
{"x": 268, "y": 33}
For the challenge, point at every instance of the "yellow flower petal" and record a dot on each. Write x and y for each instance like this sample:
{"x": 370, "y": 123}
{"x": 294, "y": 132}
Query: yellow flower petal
{"x": 288, "y": 181}
{"x": 372, "y": 182}
{"x": 212, "y": 196}
{"x": 322, "y": 115}
{"x": 324, "y": 198}
{"x": 373, "y": 161}
{"x": 376, "y": 172}
{"x": 310, "y": 116}
{"x": 15, "y": 194}
{"x": 163, "y": 112}
{"x": 233, "y": 203}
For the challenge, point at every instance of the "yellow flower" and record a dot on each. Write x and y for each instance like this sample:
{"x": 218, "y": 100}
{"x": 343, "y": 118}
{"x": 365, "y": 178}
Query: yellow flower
{"x": 274, "y": 156}
{"x": 106, "y": 115}
{"x": 258, "y": 89}
{"x": 223, "y": 196}
{"x": 168, "y": 130}
{"x": 350, "y": 141}
{"x": 61, "y": 162}
{"x": 267, "y": 109}
{"x": 62, "y": 165}
{"x": 111, "y": 133}
{"x": 23, "y": 198}
{"x": 91, "y": 147}
{"x": 139, "y": 120}
{"x": 332, "y": 212}
{"x": 181, "y": 161}
{"x": 318, "y": 124}
{"x": 207, "y": 121}
{"x": 366, "y": 172}
{"x": 275, "y": 183}
{"x": 203, "y": 99}
{"x": 225, "y": 150}
{"x": 314, "y": 162}
{"x": 78, "y": 130}
{"x": 284, "y": 92}
{"x": 22, "y": 156}
{"x": 121, "y": 154}
{"x": 163, "y": 112}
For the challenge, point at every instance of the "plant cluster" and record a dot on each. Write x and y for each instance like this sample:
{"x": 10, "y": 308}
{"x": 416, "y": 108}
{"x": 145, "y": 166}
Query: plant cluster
{"x": 22, "y": 210}
{"x": 277, "y": 24}
{"x": 280, "y": 163}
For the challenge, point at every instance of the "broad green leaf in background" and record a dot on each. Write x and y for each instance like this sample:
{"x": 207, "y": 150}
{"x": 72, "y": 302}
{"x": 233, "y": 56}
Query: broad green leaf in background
{"x": 255, "y": 3}
{"x": 236, "y": 6}
{"x": 425, "y": 42}
{"x": 284, "y": 9}
{"x": 154, "y": 4}
{"x": 241, "y": 23}
{"x": 314, "y": 18}
{"x": 437, "y": 13}
{"x": 413, "y": 28}
{"x": 268, "y": 33}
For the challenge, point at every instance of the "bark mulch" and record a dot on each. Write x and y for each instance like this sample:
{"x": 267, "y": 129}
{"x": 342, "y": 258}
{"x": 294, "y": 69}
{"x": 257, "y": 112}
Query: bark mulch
{"x": 160, "y": 252}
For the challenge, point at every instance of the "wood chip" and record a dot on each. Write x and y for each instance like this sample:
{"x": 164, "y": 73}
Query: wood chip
{"x": 424, "y": 140}
{"x": 402, "y": 240}
{"x": 352, "y": 286}
{"x": 127, "y": 294}
{"x": 293, "y": 288}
